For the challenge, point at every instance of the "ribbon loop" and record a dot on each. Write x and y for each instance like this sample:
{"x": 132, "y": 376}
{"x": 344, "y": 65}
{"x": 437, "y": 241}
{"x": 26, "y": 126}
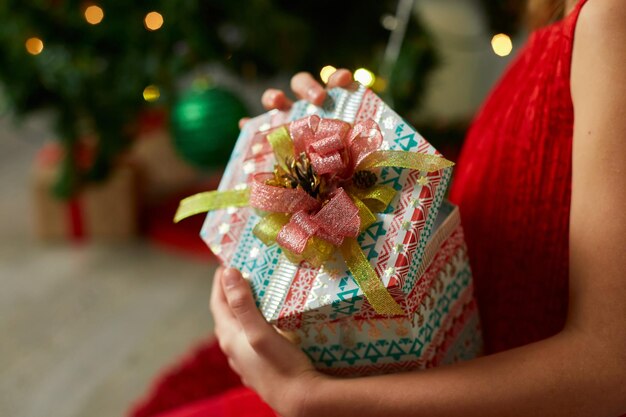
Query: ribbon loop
{"x": 402, "y": 159}
{"x": 278, "y": 199}
{"x": 281, "y": 144}
{"x": 365, "y": 138}
{"x": 377, "y": 197}
{"x": 209, "y": 201}
{"x": 365, "y": 214}
{"x": 268, "y": 227}
{"x": 296, "y": 233}
{"x": 338, "y": 219}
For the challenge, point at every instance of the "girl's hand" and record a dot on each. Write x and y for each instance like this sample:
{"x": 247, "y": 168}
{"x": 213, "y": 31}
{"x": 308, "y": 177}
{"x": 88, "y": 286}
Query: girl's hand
{"x": 305, "y": 87}
{"x": 266, "y": 362}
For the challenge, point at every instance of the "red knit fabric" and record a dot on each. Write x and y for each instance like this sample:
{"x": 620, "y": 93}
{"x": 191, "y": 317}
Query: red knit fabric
{"x": 512, "y": 183}
{"x": 203, "y": 373}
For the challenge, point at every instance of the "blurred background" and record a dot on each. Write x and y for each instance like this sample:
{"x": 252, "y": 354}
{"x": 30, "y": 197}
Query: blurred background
{"x": 111, "y": 111}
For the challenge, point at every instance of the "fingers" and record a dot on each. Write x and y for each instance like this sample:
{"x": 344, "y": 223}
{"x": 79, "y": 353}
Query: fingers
{"x": 243, "y": 121}
{"x": 242, "y": 305}
{"x": 275, "y": 99}
{"x": 340, "y": 78}
{"x": 223, "y": 316}
{"x": 217, "y": 294}
{"x": 304, "y": 86}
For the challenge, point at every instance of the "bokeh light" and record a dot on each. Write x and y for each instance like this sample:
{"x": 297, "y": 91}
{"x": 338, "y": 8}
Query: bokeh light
{"x": 365, "y": 77}
{"x": 34, "y": 46}
{"x": 153, "y": 21}
{"x": 94, "y": 14}
{"x": 151, "y": 93}
{"x": 501, "y": 44}
{"x": 326, "y": 72}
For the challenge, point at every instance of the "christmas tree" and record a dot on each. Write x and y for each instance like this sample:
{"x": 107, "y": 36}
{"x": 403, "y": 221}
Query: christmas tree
{"x": 99, "y": 65}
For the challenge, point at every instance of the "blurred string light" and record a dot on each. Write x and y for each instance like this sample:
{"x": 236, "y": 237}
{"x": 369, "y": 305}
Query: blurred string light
{"x": 34, "y": 46}
{"x": 326, "y": 72}
{"x": 389, "y": 22}
{"x": 94, "y": 14}
{"x": 501, "y": 44}
{"x": 365, "y": 77}
{"x": 153, "y": 21}
{"x": 151, "y": 93}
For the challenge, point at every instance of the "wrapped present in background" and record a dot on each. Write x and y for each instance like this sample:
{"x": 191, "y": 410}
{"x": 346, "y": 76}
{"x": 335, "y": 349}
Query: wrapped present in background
{"x": 360, "y": 297}
{"x": 105, "y": 211}
{"x": 162, "y": 171}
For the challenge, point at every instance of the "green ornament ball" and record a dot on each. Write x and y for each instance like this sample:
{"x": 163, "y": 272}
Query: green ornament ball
{"x": 204, "y": 125}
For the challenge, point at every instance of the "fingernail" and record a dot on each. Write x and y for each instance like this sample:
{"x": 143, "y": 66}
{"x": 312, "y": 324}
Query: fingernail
{"x": 313, "y": 94}
{"x": 230, "y": 278}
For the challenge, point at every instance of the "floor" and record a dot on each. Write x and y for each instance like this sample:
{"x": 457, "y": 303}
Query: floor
{"x": 83, "y": 329}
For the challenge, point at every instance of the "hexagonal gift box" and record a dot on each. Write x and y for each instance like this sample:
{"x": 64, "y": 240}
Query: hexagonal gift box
{"x": 414, "y": 244}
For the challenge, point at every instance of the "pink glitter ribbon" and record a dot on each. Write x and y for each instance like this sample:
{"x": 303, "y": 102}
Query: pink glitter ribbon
{"x": 332, "y": 145}
{"x": 335, "y": 149}
{"x": 338, "y": 219}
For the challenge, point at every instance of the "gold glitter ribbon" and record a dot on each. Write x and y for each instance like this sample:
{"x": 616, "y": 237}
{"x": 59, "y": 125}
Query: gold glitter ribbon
{"x": 209, "y": 201}
{"x": 403, "y": 159}
{"x": 282, "y": 145}
{"x": 316, "y": 252}
{"x": 376, "y": 197}
{"x": 368, "y": 280}
{"x": 365, "y": 214}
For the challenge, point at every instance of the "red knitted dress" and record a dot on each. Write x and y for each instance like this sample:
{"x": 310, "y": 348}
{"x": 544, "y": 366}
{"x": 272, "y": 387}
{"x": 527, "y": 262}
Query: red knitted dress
{"x": 512, "y": 183}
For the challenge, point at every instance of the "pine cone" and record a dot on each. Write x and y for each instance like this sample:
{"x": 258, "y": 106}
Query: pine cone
{"x": 299, "y": 173}
{"x": 364, "y": 179}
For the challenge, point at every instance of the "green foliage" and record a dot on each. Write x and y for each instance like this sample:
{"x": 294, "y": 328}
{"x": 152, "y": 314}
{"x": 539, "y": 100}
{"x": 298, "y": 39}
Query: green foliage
{"x": 93, "y": 75}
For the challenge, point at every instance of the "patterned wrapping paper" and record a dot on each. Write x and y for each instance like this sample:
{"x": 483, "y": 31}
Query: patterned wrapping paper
{"x": 296, "y": 297}
{"x": 444, "y": 327}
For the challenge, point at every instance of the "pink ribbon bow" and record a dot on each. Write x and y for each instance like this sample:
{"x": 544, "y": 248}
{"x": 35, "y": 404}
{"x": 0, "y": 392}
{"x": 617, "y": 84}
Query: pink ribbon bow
{"x": 332, "y": 146}
{"x": 338, "y": 219}
{"x": 335, "y": 150}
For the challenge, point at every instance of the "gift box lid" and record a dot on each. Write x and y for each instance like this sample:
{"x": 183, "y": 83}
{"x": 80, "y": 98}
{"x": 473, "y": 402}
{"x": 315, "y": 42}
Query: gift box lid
{"x": 394, "y": 244}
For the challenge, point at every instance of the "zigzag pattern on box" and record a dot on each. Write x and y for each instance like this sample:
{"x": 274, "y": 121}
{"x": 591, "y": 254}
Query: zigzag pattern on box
{"x": 412, "y": 275}
{"x": 408, "y": 181}
{"x": 369, "y": 107}
{"x": 260, "y": 268}
{"x": 387, "y": 256}
{"x": 450, "y": 332}
{"x": 385, "y": 356}
{"x": 411, "y": 240}
{"x": 453, "y": 245}
{"x": 451, "y": 325}
{"x": 446, "y": 316}
{"x": 290, "y": 317}
{"x": 467, "y": 345}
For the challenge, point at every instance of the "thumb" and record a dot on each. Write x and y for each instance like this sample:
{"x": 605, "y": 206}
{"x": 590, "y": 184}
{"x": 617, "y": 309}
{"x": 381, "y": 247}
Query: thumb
{"x": 242, "y": 305}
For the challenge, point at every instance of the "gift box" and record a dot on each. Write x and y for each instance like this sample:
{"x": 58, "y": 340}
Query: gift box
{"x": 105, "y": 211}
{"x": 441, "y": 328}
{"x": 334, "y": 215}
